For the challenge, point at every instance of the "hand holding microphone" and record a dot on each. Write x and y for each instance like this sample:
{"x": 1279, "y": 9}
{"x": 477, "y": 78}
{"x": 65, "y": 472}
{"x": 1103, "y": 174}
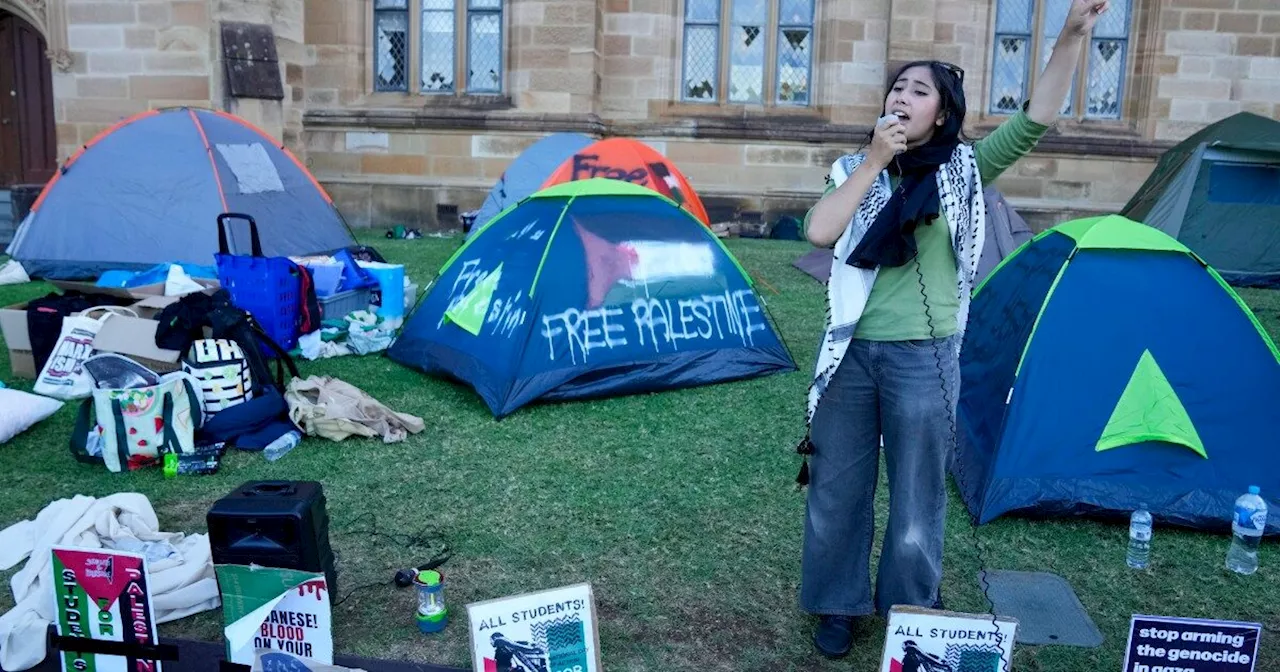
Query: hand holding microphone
{"x": 889, "y": 139}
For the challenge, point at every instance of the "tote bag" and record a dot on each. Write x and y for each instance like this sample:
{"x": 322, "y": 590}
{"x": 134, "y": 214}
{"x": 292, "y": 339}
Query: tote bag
{"x": 63, "y": 376}
{"x": 136, "y": 427}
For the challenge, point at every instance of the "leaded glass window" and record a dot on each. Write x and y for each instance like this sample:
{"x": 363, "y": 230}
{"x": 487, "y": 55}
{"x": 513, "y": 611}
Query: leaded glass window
{"x": 1027, "y": 27}
{"x": 748, "y": 52}
{"x": 438, "y": 46}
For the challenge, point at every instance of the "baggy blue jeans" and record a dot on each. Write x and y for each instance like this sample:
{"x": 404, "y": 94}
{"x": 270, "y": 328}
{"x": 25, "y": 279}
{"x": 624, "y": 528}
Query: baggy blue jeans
{"x": 894, "y": 389}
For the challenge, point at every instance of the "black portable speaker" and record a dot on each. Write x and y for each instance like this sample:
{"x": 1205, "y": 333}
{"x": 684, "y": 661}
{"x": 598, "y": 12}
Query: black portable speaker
{"x": 280, "y": 524}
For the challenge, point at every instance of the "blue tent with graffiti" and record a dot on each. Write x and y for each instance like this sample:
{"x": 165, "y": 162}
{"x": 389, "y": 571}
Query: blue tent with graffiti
{"x": 1107, "y": 366}
{"x": 590, "y": 289}
{"x": 527, "y": 172}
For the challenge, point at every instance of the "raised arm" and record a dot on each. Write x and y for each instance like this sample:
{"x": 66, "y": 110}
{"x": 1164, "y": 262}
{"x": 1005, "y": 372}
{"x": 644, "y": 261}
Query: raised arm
{"x": 1055, "y": 81}
{"x": 1020, "y": 133}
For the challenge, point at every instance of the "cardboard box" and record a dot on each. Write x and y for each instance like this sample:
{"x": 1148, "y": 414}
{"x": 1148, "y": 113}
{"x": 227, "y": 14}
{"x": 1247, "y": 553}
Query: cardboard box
{"x": 133, "y": 337}
{"x": 13, "y": 325}
{"x": 139, "y": 292}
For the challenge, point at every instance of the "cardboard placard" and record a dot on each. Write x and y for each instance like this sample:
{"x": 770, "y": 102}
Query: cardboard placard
{"x": 270, "y": 610}
{"x": 103, "y": 595}
{"x": 552, "y": 630}
{"x": 1168, "y": 644}
{"x": 943, "y": 641}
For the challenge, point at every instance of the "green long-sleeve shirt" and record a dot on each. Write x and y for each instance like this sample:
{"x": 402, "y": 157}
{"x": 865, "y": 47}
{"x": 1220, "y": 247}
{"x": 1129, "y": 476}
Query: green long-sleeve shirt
{"x": 895, "y": 309}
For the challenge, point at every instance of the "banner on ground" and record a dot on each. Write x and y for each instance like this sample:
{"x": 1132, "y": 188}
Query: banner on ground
{"x": 271, "y": 610}
{"x": 941, "y": 641}
{"x": 103, "y": 595}
{"x": 552, "y": 631}
{"x": 1166, "y": 644}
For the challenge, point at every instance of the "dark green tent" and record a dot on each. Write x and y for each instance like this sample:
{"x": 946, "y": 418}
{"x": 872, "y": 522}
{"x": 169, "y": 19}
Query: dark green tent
{"x": 1218, "y": 193}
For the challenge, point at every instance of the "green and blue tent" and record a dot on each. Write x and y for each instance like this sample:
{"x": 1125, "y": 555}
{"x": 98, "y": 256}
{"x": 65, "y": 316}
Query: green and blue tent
{"x": 590, "y": 288}
{"x": 1106, "y": 366}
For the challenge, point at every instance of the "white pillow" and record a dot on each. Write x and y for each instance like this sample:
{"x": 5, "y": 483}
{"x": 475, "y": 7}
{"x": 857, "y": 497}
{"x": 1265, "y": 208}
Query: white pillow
{"x": 20, "y": 410}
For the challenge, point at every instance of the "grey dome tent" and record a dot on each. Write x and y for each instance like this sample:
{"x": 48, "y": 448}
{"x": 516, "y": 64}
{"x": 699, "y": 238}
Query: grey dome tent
{"x": 527, "y": 173}
{"x": 148, "y": 191}
{"x": 1218, "y": 193}
{"x": 1006, "y": 231}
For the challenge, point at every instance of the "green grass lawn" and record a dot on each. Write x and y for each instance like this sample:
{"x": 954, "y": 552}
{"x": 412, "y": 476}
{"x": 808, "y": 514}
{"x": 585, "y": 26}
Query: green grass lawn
{"x": 678, "y": 507}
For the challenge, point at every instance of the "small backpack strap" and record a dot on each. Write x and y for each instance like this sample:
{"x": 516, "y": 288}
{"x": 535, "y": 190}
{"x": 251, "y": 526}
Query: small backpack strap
{"x": 193, "y": 400}
{"x": 282, "y": 356}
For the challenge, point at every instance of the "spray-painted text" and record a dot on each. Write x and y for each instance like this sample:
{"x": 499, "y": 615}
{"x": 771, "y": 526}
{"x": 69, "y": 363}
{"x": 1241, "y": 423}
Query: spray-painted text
{"x": 659, "y": 324}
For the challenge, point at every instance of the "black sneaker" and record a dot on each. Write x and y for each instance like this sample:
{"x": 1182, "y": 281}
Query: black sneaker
{"x": 834, "y": 636}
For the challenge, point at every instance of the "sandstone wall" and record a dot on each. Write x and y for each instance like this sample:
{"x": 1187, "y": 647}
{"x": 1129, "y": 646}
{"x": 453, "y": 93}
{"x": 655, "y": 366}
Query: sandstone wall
{"x": 127, "y": 57}
{"x": 1216, "y": 58}
{"x": 612, "y": 67}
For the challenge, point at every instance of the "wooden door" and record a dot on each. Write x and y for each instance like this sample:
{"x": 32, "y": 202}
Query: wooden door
{"x": 28, "y": 147}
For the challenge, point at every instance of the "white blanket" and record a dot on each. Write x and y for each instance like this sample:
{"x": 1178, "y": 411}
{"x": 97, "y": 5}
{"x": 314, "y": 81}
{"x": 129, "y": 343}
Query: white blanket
{"x": 180, "y": 567}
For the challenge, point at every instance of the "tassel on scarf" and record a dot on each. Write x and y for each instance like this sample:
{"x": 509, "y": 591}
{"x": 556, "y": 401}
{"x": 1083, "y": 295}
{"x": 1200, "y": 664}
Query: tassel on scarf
{"x": 805, "y": 449}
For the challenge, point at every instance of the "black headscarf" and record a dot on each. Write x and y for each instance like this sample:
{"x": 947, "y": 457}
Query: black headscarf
{"x": 891, "y": 240}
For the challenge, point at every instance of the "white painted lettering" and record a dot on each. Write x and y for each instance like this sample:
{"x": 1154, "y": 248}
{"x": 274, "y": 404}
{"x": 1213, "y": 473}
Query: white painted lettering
{"x": 506, "y": 315}
{"x": 658, "y": 324}
{"x": 583, "y": 331}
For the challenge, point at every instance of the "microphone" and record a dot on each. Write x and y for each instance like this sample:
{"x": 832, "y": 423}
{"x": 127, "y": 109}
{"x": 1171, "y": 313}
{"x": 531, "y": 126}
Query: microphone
{"x": 888, "y": 117}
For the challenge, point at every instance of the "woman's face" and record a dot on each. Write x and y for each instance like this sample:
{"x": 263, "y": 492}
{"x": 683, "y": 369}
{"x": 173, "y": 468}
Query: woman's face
{"x": 914, "y": 98}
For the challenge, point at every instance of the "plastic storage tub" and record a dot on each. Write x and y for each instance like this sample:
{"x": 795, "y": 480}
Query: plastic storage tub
{"x": 338, "y": 306}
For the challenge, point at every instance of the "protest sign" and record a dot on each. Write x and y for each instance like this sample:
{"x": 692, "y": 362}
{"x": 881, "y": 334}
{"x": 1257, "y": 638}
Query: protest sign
{"x": 274, "y": 661}
{"x": 926, "y": 640}
{"x": 103, "y": 595}
{"x": 266, "y": 609}
{"x": 549, "y": 631}
{"x": 1164, "y": 644}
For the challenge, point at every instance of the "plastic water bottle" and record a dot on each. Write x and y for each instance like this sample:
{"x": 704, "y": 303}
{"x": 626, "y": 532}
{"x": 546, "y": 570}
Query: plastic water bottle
{"x": 1139, "y": 538}
{"x": 277, "y": 449}
{"x": 1247, "y": 525}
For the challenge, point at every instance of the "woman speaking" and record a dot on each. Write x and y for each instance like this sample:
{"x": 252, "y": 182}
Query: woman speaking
{"x": 906, "y": 221}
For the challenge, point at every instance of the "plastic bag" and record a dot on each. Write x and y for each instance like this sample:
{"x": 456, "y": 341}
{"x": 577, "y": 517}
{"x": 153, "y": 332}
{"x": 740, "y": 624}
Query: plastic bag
{"x": 366, "y": 333}
{"x": 178, "y": 283}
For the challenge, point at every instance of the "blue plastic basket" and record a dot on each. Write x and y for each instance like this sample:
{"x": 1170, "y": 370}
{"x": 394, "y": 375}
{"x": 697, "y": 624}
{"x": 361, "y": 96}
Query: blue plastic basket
{"x": 269, "y": 288}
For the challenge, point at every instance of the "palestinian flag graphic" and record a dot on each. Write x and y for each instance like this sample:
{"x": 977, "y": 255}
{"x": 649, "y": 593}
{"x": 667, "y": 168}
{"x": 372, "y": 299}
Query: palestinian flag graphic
{"x": 103, "y": 595}
{"x": 643, "y": 266}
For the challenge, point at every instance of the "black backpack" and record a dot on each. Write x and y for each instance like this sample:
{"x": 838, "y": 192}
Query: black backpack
{"x": 184, "y": 321}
